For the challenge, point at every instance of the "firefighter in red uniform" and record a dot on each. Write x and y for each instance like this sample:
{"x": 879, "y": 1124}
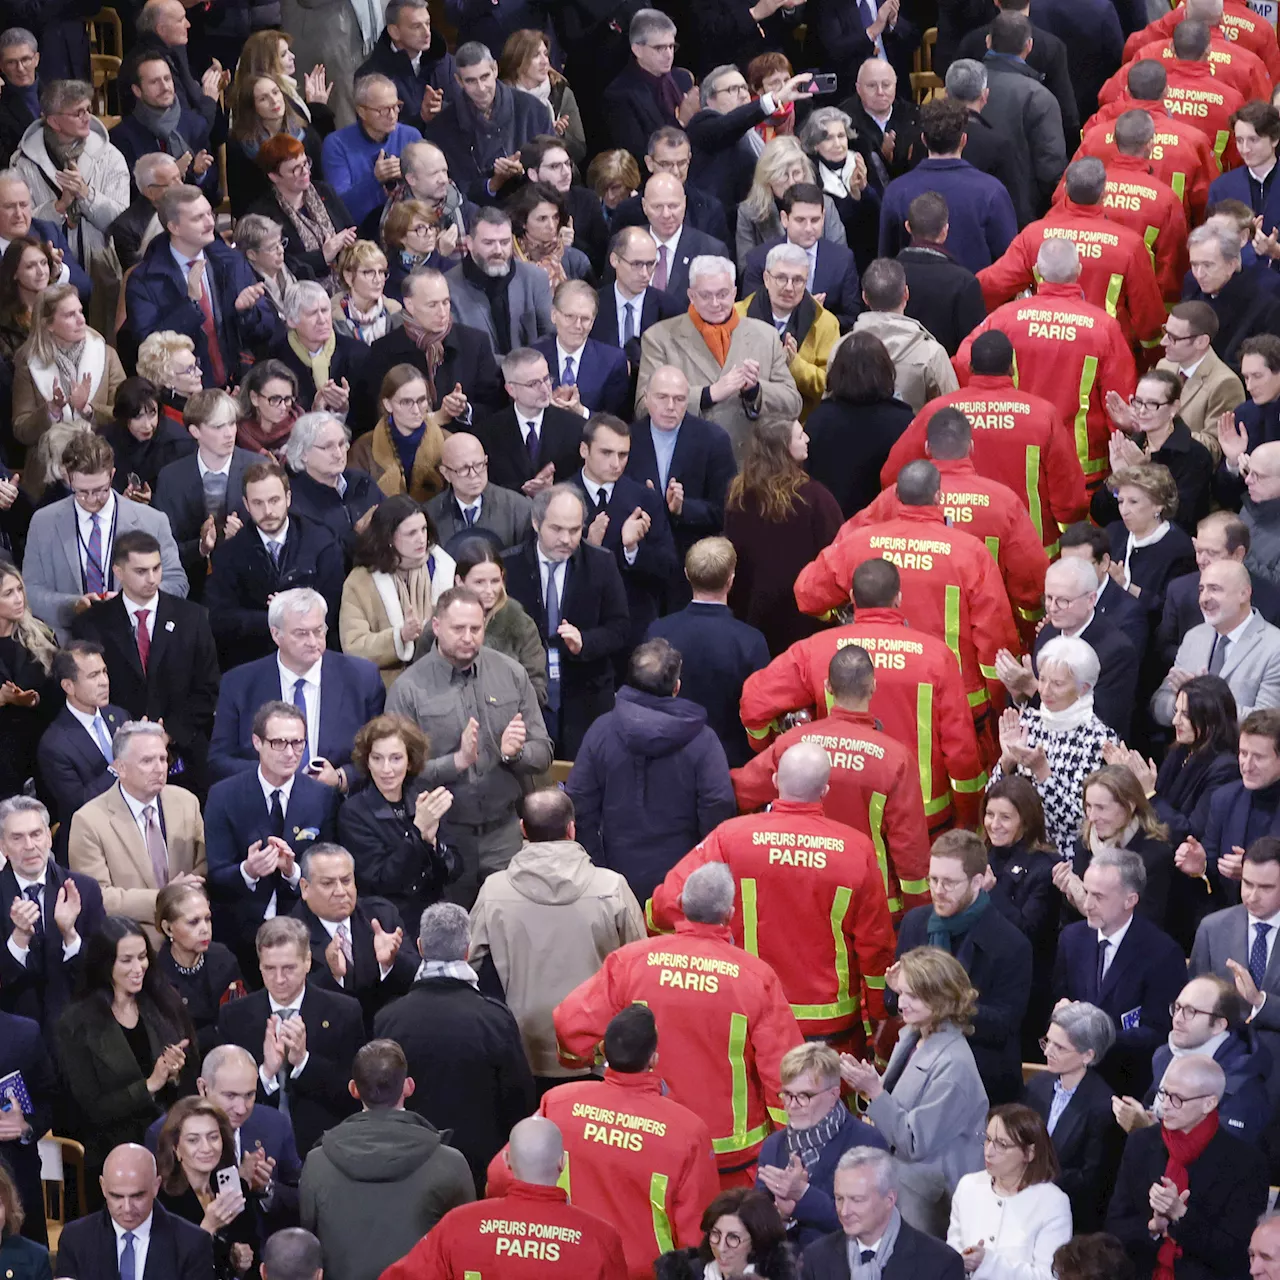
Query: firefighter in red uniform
{"x": 1237, "y": 23}
{"x": 1181, "y": 153}
{"x": 722, "y": 1014}
{"x": 1135, "y": 197}
{"x": 1116, "y": 272}
{"x": 1232, "y": 64}
{"x": 919, "y": 699}
{"x": 950, "y": 587}
{"x": 873, "y": 784}
{"x": 1018, "y": 439}
{"x": 811, "y": 900}
{"x": 531, "y": 1233}
{"x": 984, "y": 508}
{"x": 633, "y": 1156}
{"x": 1067, "y": 351}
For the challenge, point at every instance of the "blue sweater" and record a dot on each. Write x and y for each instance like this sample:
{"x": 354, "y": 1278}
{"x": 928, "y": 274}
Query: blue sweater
{"x": 349, "y": 156}
{"x": 980, "y": 212}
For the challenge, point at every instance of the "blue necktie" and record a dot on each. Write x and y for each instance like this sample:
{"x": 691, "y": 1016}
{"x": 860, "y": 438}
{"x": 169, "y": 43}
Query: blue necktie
{"x": 275, "y": 550}
{"x": 629, "y": 326}
{"x": 93, "y": 579}
{"x": 300, "y": 701}
{"x": 1258, "y": 954}
{"x": 553, "y": 657}
{"x": 569, "y": 378}
{"x": 128, "y": 1262}
{"x": 104, "y": 739}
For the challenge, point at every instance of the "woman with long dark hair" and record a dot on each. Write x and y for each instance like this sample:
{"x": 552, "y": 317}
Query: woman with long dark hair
{"x": 268, "y": 408}
{"x": 25, "y": 272}
{"x": 742, "y": 1235}
{"x": 539, "y": 220}
{"x": 778, "y": 519}
{"x": 126, "y": 1047}
{"x": 260, "y": 111}
{"x": 143, "y": 439}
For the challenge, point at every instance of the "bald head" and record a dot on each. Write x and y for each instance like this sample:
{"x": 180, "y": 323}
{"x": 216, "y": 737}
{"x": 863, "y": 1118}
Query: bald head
{"x": 803, "y": 772}
{"x": 536, "y": 1151}
{"x": 129, "y": 1185}
{"x": 877, "y": 86}
{"x": 462, "y": 463}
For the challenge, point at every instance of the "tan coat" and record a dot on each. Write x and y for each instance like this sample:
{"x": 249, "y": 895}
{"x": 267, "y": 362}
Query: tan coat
{"x": 106, "y": 844}
{"x": 375, "y": 453}
{"x": 677, "y": 342}
{"x": 1214, "y": 389}
{"x": 33, "y": 386}
{"x": 809, "y": 368}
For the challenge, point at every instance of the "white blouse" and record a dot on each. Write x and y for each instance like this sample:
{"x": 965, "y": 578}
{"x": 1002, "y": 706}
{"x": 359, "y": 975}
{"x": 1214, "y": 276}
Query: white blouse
{"x": 1020, "y": 1233}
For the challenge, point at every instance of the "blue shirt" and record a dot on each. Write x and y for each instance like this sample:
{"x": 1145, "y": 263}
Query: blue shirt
{"x": 349, "y": 156}
{"x": 664, "y": 448}
{"x": 1061, "y": 1100}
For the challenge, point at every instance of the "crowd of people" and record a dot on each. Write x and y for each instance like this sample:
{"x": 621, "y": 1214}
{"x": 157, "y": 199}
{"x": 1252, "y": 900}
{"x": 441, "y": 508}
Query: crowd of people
{"x": 621, "y": 661}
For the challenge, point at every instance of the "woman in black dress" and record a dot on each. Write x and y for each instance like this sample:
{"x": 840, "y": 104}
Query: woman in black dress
{"x": 195, "y": 1146}
{"x": 143, "y": 441}
{"x": 204, "y": 973}
{"x": 28, "y": 696}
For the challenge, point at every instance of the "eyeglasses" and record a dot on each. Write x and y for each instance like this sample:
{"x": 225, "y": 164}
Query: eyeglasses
{"x": 1000, "y": 1144}
{"x": 27, "y": 60}
{"x": 392, "y": 110}
{"x": 1178, "y": 337}
{"x": 298, "y": 169}
{"x": 1148, "y": 406}
{"x": 292, "y": 745}
{"x": 788, "y": 282}
{"x": 1176, "y": 1101}
{"x": 1061, "y": 602}
{"x": 937, "y": 882}
{"x": 739, "y": 88}
{"x": 1046, "y": 1044}
{"x": 372, "y": 273}
{"x": 669, "y": 47}
{"x": 278, "y": 402}
{"x": 544, "y": 381}
{"x": 791, "y": 1098}
{"x": 716, "y": 295}
{"x": 282, "y": 243}
{"x": 647, "y": 265}
{"x": 730, "y": 1239}
{"x": 470, "y": 469}
{"x": 1190, "y": 1011}
{"x": 412, "y": 402}
{"x": 80, "y": 113}
{"x": 100, "y": 491}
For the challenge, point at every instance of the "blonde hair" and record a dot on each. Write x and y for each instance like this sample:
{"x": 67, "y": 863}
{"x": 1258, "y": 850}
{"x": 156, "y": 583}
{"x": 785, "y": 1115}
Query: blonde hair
{"x": 709, "y": 562}
{"x": 814, "y": 1056}
{"x": 40, "y": 344}
{"x": 156, "y": 354}
{"x": 30, "y": 632}
{"x": 939, "y": 981}
{"x": 47, "y": 467}
{"x": 777, "y": 157}
{"x": 363, "y": 253}
{"x": 1153, "y": 479}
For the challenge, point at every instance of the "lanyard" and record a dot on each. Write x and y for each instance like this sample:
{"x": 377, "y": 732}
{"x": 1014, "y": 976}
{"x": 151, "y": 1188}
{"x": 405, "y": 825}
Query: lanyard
{"x": 109, "y": 542}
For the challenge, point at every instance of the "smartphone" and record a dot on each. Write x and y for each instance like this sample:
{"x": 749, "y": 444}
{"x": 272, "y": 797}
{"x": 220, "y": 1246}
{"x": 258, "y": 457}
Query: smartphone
{"x": 135, "y": 481}
{"x": 227, "y": 1178}
{"x": 317, "y": 764}
{"x": 823, "y": 82}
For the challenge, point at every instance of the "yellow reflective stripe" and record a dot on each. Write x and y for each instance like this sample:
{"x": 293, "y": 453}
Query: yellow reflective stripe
{"x": 741, "y": 1142}
{"x": 875, "y": 817}
{"x": 840, "y": 909}
{"x": 951, "y": 621}
{"x": 1030, "y": 615}
{"x": 936, "y": 805}
{"x": 966, "y": 786}
{"x": 914, "y": 886}
{"x": 777, "y": 1115}
{"x": 895, "y": 904}
{"x": 1179, "y": 185}
{"x": 924, "y": 745}
{"x": 1033, "y": 490}
{"x": 993, "y": 545}
{"x": 472, "y": 1275}
{"x": 1054, "y": 549}
{"x": 989, "y": 673}
{"x": 771, "y": 727}
{"x": 648, "y": 915}
{"x": 661, "y": 1220}
{"x": 1088, "y": 376}
{"x": 750, "y": 918}
{"x": 738, "y": 1072}
{"x": 874, "y": 984}
{"x": 563, "y": 1180}
{"x": 1114, "y": 286}
{"x": 816, "y": 1012}
{"x": 1220, "y": 143}
{"x": 978, "y": 698}
{"x": 1149, "y": 237}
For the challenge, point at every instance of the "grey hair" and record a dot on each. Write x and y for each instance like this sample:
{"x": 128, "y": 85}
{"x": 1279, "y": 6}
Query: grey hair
{"x": 252, "y": 232}
{"x": 707, "y": 897}
{"x": 300, "y": 297}
{"x": 1087, "y": 1027}
{"x": 58, "y": 95}
{"x": 543, "y": 499}
{"x": 1058, "y": 261}
{"x": 410, "y": 156}
{"x": 517, "y": 358}
{"x": 13, "y": 175}
{"x": 966, "y": 80}
{"x": 12, "y": 36}
{"x": 1266, "y": 1219}
{"x": 1209, "y": 1075}
{"x": 786, "y": 252}
{"x": 711, "y": 81}
{"x": 374, "y": 80}
{"x": 304, "y": 434}
{"x": 296, "y": 600}
{"x": 222, "y": 1055}
{"x": 649, "y": 22}
{"x": 144, "y": 168}
{"x": 1078, "y": 656}
{"x": 1228, "y": 244}
{"x": 444, "y": 932}
{"x": 815, "y": 127}
{"x": 323, "y": 849}
{"x": 1129, "y": 865}
{"x": 707, "y": 264}
{"x": 880, "y": 1162}
{"x": 1078, "y": 570}
{"x": 131, "y": 729}
{"x": 21, "y": 804}
{"x": 472, "y": 54}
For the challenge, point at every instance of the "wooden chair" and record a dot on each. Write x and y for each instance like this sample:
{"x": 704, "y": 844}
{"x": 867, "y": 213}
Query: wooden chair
{"x": 1030, "y": 1069}
{"x": 106, "y": 87}
{"x": 56, "y": 1153}
{"x": 106, "y": 34}
{"x": 925, "y": 82}
{"x": 560, "y": 772}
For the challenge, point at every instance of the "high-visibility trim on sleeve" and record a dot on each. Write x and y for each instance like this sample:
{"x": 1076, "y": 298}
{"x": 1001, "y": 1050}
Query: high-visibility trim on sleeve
{"x": 1088, "y": 376}
{"x": 875, "y": 819}
{"x": 563, "y": 1180}
{"x": 915, "y": 887}
{"x": 988, "y": 673}
{"x": 750, "y": 917}
{"x": 1179, "y": 185}
{"x": 937, "y": 805}
{"x": 1030, "y": 615}
{"x": 966, "y": 786}
{"x": 738, "y": 1074}
{"x": 1033, "y": 489}
{"x": 951, "y": 621}
{"x": 1114, "y": 287}
{"x": 980, "y": 696}
{"x": 924, "y": 746}
{"x": 873, "y": 983}
{"x": 1220, "y": 140}
{"x": 661, "y": 1219}
{"x": 763, "y": 732}
{"x": 993, "y": 545}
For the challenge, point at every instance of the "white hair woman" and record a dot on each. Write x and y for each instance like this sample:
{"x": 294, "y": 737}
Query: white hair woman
{"x": 169, "y": 360}
{"x": 1059, "y": 743}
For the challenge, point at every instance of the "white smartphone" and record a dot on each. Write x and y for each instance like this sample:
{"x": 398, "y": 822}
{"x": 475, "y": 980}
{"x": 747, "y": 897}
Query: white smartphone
{"x": 227, "y": 1178}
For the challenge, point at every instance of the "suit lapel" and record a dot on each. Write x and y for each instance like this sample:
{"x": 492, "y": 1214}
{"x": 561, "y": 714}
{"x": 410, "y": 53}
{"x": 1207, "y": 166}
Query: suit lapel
{"x": 330, "y": 691}
{"x": 1120, "y": 961}
{"x": 695, "y": 349}
{"x": 1238, "y": 651}
{"x": 122, "y": 823}
{"x": 165, "y": 632}
{"x": 71, "y": 542}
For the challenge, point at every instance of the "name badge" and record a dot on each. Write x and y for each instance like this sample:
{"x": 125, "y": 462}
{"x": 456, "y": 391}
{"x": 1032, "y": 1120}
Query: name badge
{"x": 1130, "y": 1021}
{"x": 553, "y": 664}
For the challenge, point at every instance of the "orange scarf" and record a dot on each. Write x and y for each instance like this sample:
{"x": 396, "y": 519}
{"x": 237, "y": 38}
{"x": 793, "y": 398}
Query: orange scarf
{"x": 716, "y": 336}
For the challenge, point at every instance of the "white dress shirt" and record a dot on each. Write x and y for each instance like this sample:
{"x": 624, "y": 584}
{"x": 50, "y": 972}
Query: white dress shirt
{"x": 1115, "y": 940}
{"x": 136, "y": 807}
{"x": 204, "y": 468}
{"x": 270, "y": 1083}
{"x": 1188, "y": 369}
{"x": 88, "y": 722}
{"x": 524, "y": 419}
{"x": 106, "y": 523}
{"x": 671, "y": 247}
{"x": 594, "y": 490}
{"x": 288, "y": 679}
{"x": 251, "y": 882}
{"x": 331, "y": 928}
{"x": 141, "y": 1243}
{"x": 556, "y": 568}
{"x": 278, "y": 539}
{"x": 133, "y": 610}
{"x": 69, "y": 950}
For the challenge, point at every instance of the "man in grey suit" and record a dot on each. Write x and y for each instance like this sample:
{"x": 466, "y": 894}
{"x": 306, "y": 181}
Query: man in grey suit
{"x": 1240, "y": 943}
{"x": 471, "y": 503}
{"x": 510, "y": 301}
{"x": 1234, "y": 641}
{"x": 68, "y": 559}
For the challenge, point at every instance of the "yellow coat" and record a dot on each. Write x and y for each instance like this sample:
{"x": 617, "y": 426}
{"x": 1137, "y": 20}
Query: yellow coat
{"x": 809, "y": 368}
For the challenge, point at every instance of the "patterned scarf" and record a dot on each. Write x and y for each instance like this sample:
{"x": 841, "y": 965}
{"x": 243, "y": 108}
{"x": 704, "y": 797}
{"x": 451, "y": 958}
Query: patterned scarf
{"x": 716, "y": 336}
{"x": 432, "y": 346}
{"x": 311, "y": 219}
{"x": 809, "y": 1143}
{"x": 1184, "y": 1150}
{"x": 67, "y": 362}
{"x": 458, "y": 969}
{"x": 366, "y": 326}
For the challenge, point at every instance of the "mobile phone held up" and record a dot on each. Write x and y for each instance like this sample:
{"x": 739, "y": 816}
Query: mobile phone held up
{"x": 227, "y": 1178}
{"x": 823, "y": 82}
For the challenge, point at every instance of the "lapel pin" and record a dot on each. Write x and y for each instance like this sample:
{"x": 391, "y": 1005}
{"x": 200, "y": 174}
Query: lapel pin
{"x": 168, "y": 626}
{"x": 325, "y": 1024}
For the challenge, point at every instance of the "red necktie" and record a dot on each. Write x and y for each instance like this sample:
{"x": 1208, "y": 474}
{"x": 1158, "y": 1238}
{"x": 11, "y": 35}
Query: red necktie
{"x": 144, "y": 638}
{"x": 217, "y": 367}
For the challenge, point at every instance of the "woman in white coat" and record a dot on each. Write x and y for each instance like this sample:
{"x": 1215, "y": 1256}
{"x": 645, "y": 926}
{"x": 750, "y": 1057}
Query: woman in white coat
{"x": 1008, "y": 1221}
{"x": 930, "y": 1104}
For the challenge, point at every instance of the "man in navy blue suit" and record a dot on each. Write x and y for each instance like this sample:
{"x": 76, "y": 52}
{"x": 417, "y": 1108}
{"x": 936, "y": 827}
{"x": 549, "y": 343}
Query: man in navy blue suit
{"x": 16, "y": 221}
{"x": 1257, "y": 133}
{"x": 627, "y": 519}
{"x": 23, "y": 1049}
{"x": 258, "y": 824}
{"x": 337, "y": 693}
{"x": 1122, "y": 963}
{"x": 678, "y": 241}
{"x": 265, "y": 1148}
{"x": 1092, "y": 545}
{"x": 586, "y": 372}
{"x": 670, "y": 151}
{"x": 75, "y": 750}
{"x": 833, "y": 274}
{"x": 46, "y": 912}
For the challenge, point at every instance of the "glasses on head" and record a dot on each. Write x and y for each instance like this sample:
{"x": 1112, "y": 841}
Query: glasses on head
{"x": 1189, "y": 1011}
{"x": 791, "y": 1097}
{"x": 292, "y": 745}
{"x": 468, "y": 469}
{"x": 544, "y": 381}
{"x": 1147, "y": 406}
{"x": 393, "y": 109}
{"x": 1176, "y": 1101}
{"x": 729, "y": 1239}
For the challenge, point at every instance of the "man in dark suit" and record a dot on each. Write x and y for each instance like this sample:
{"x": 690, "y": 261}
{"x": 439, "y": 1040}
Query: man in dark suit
{"x": 574, "y": 592}
{"x": 1123, "y": 964}
{"x": 75, "y": 750}
{"x": 995, "y": 954}
{"x": 888, "y": 126}
{"x": 16, "y": 221}
{"x": 468, "y": 360}
{"x": 160, "y": 655}
{"x": 471, "y": 504}
{"x": 257, "y": 824}
{"x": 678, "y": 242}
{"x": 337, "y": 693}
{"x": 20, "y": 101}
{"x": 719, "y": 651}
{"x": 589, "y": 375}
{"x": 629, "y": 520}
{"x": 153, "y": 176}
{"x": 303, "y": 1039}
{"x": 1085, "y": 541}
{"x": 629, "y": 306}
{"x": 833, "y": 274}
{"x": 546, "y": 160}
{"x": 201, "y": 492}
{"x": 533, "y": 444}
{"x": 275, "y": 552}
{"x": 866, "y": 1197}
{"x": 355, "y": 942}
{"x": 22, "y": 1049}
{"x": 113, "y": 1243}
{"x": 46, "y": 912}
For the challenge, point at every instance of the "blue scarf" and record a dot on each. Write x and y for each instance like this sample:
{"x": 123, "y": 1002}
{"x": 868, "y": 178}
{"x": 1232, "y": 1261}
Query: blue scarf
{"x": 407, "y": 448}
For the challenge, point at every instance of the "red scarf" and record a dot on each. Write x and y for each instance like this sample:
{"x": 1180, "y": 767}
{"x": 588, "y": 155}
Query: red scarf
{"x": 1184, "y": 1150}
{"x": 716, "y": 336}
